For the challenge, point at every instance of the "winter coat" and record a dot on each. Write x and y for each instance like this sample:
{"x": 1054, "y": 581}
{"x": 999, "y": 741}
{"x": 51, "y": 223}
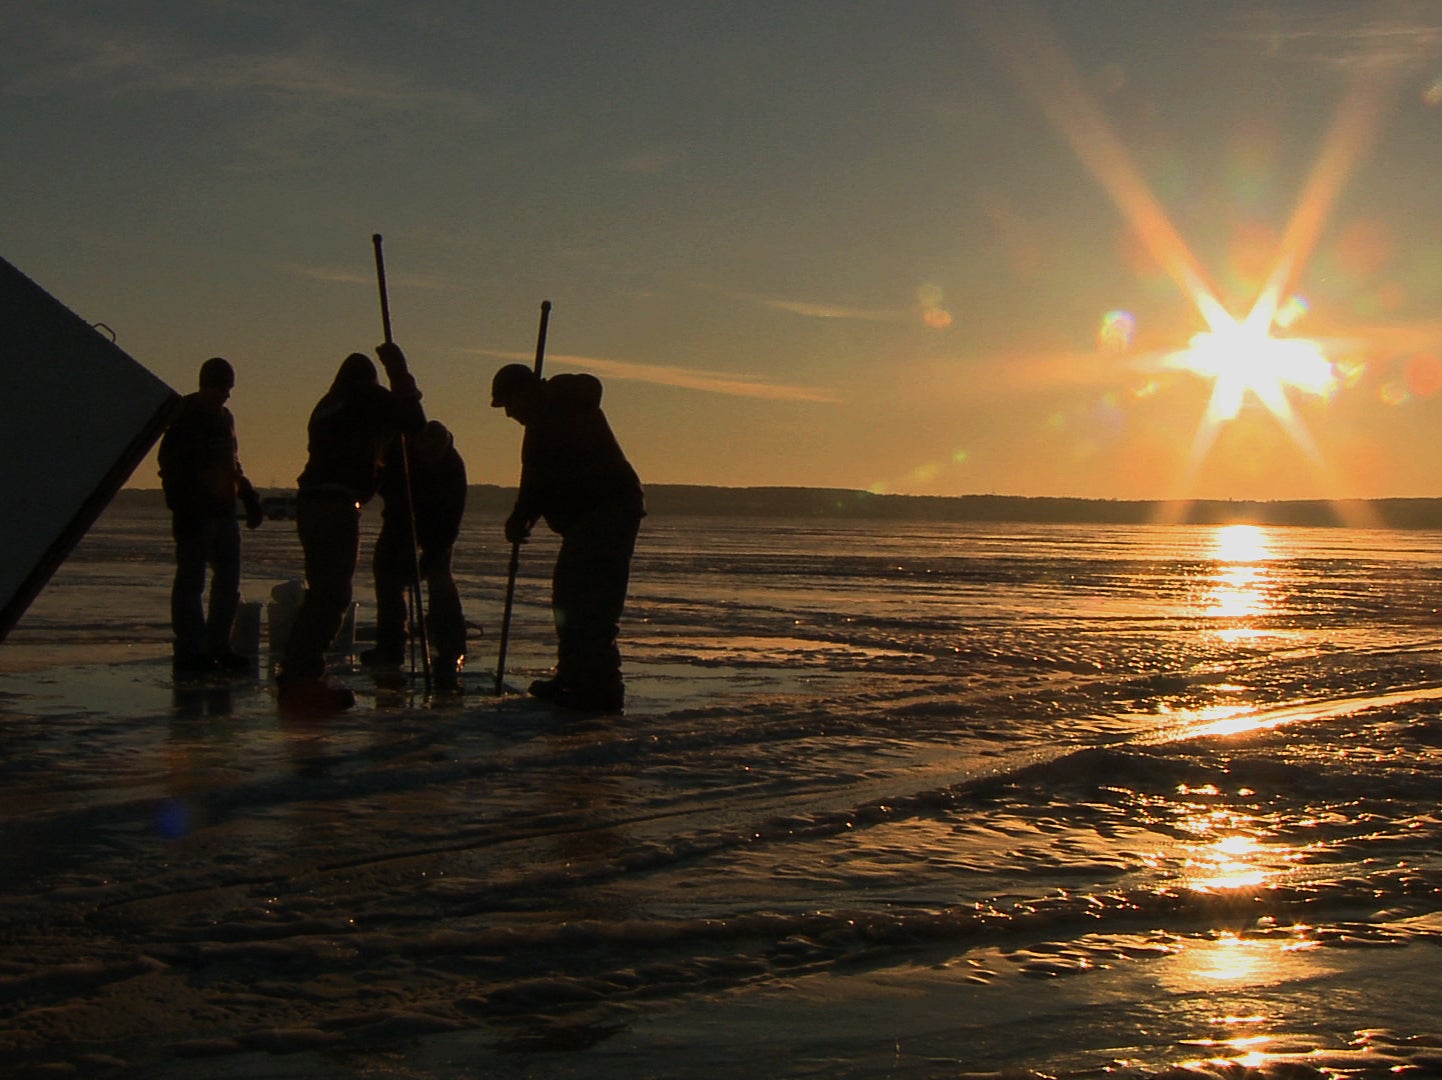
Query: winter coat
{"x": 352, "y": 426}
{"x": 200, "y": 469}
{"x": 571, "y": 463}
{"x": 438, "y": 490}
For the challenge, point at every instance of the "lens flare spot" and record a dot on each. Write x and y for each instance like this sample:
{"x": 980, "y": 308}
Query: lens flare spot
{"x": 1290, "y": 312}
{"x": 1393, "y": 392}
{"x": 1350, "y": 371}
{"x": 961, "y": 457}
{"x": 174, "y": 819}
{"x": 1116, "y": 331}
{"x": 1433, "y": 94}
{"x": 931, "y": 301}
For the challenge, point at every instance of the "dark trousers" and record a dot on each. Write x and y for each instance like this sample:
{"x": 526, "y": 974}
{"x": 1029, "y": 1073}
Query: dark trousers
{"x": 213, "y": 543}
{"x": 395, "y": 569}
{"x": 329, "y": 530}
{"x": 588, "y": 593}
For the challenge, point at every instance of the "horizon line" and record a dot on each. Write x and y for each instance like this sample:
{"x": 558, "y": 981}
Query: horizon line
{"x": 864, "y": 492}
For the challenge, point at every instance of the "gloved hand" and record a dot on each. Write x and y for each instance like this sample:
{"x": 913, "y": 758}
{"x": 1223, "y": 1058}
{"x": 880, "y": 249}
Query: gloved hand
{"x": 518, "y": 527}
{"x": 254, "y": 515}
{"x": 391, "y": 358}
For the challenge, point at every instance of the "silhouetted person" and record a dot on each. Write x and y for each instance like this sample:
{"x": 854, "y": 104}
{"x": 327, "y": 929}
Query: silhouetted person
{"x": 437, "y": 500}
{"x": 574, "y": 474}
{"x": 201, "y": 476}
{"x": 350, "y": 429}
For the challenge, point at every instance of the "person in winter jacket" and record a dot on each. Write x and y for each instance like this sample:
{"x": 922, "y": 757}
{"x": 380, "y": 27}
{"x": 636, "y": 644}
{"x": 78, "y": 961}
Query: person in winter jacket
{"x": 201, "y": 477}
{"x": 424, "y": 490}
{"x": 575, "y": 476}
{"x": 350, "y": 430}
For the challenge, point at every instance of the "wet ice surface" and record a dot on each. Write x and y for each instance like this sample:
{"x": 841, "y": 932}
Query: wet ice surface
{"x": 886, "y": 801}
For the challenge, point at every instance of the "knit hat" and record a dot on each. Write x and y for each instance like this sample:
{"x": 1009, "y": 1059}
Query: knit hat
{"x": 217, "y": 372}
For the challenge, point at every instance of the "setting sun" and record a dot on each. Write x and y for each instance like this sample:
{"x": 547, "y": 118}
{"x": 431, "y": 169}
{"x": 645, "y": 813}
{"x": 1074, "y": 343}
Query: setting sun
{"x": 1243, "y": 358}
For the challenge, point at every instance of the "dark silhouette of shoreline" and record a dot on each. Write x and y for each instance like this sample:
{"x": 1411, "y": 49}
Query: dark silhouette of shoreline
{"x": 681, "y": 500}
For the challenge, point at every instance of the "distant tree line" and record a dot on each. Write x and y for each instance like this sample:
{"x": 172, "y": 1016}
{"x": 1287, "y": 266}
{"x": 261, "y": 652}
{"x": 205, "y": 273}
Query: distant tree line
{"x": 679, "y": 500}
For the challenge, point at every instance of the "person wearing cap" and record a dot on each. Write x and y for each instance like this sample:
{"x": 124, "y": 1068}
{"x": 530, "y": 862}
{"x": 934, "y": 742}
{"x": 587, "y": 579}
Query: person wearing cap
{"x": 575, "y": 476}
{"x": 201, "y": 477}
{"x": 349, "y": 432}
{"x": 430, "y": 479}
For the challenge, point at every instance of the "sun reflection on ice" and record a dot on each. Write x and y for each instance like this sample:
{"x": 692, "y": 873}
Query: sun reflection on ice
{"x": 1238, "y": 593}
{"x": 1226, "y": 864}
{"x": 1242, "y": 544}
{"x": 1231, "y": 960}
{"x": 1240, "y": 586}
{"x": 1224, "y": 851}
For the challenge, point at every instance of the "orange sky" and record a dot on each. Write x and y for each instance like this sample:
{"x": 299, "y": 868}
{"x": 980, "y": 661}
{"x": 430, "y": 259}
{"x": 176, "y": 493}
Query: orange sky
{"x": 924, "y": 247}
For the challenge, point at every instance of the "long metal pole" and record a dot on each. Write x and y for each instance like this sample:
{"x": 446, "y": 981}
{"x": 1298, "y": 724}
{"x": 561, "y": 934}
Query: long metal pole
{"x": 418, "y": 612}
{"x": 515, "y": 564}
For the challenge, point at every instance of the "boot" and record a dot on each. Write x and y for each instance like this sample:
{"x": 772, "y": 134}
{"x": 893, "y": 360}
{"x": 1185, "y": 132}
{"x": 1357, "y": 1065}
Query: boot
{"x": 313, "y": 697}
{"x": 606, "y": 698}
{"x": 383, "y": 657}
{"x": 192, "y": 666}
{"x": 546, "y": 689}
{"x": 232, "y": 663}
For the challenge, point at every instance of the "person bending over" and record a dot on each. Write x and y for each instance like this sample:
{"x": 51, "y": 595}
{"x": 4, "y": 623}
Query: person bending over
{"x": 575, "y": 476}
{"x": 435, "y": 492}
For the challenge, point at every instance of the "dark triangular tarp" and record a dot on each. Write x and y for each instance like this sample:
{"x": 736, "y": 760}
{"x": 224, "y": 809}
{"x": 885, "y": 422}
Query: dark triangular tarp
{"x": 77, "y": 415}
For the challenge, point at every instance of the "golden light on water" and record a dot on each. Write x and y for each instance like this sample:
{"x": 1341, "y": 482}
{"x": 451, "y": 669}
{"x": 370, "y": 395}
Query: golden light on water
{"x": 1240, "y": 586}
{"x": 1241, "y": 543}
{"x": 1223, "y": 720}
{"x": 1227, "y": 864}
{"x": 1232, "y": 960}
{"x": 1237, "y": 593}
{"x": 1224, "y": 851}
{"x": 1224, "y": 854}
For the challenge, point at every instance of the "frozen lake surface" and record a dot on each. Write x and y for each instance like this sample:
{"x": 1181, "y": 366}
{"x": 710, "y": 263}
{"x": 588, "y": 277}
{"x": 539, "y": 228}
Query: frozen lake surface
{"x": 887, "y": 800}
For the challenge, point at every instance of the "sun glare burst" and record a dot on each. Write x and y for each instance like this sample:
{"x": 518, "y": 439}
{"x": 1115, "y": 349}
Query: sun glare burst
{"x": 1244, "y": 358}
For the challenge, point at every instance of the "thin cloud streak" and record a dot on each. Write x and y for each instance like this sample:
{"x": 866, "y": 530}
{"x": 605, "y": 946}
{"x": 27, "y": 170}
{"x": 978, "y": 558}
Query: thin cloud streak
{"x": 1403, "y": 37}
{"x": 710, "y": 382}
{"x": 832, "y": 311}
{"x": 285, "y": 107}
{"x": 95, "y": 57}
{"x": 337, "y": 276}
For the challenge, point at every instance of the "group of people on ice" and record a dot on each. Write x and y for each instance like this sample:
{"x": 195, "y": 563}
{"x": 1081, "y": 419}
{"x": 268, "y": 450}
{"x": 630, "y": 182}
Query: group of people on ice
{"x": 363, "y": 439}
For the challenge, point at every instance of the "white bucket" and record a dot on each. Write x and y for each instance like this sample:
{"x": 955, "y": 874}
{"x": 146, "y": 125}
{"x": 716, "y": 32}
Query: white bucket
{"x": 286, "y": 599}
{"x": 280, "y": 613}
{"x": 343, "y": 646}
{"x": 245, "y": 631}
